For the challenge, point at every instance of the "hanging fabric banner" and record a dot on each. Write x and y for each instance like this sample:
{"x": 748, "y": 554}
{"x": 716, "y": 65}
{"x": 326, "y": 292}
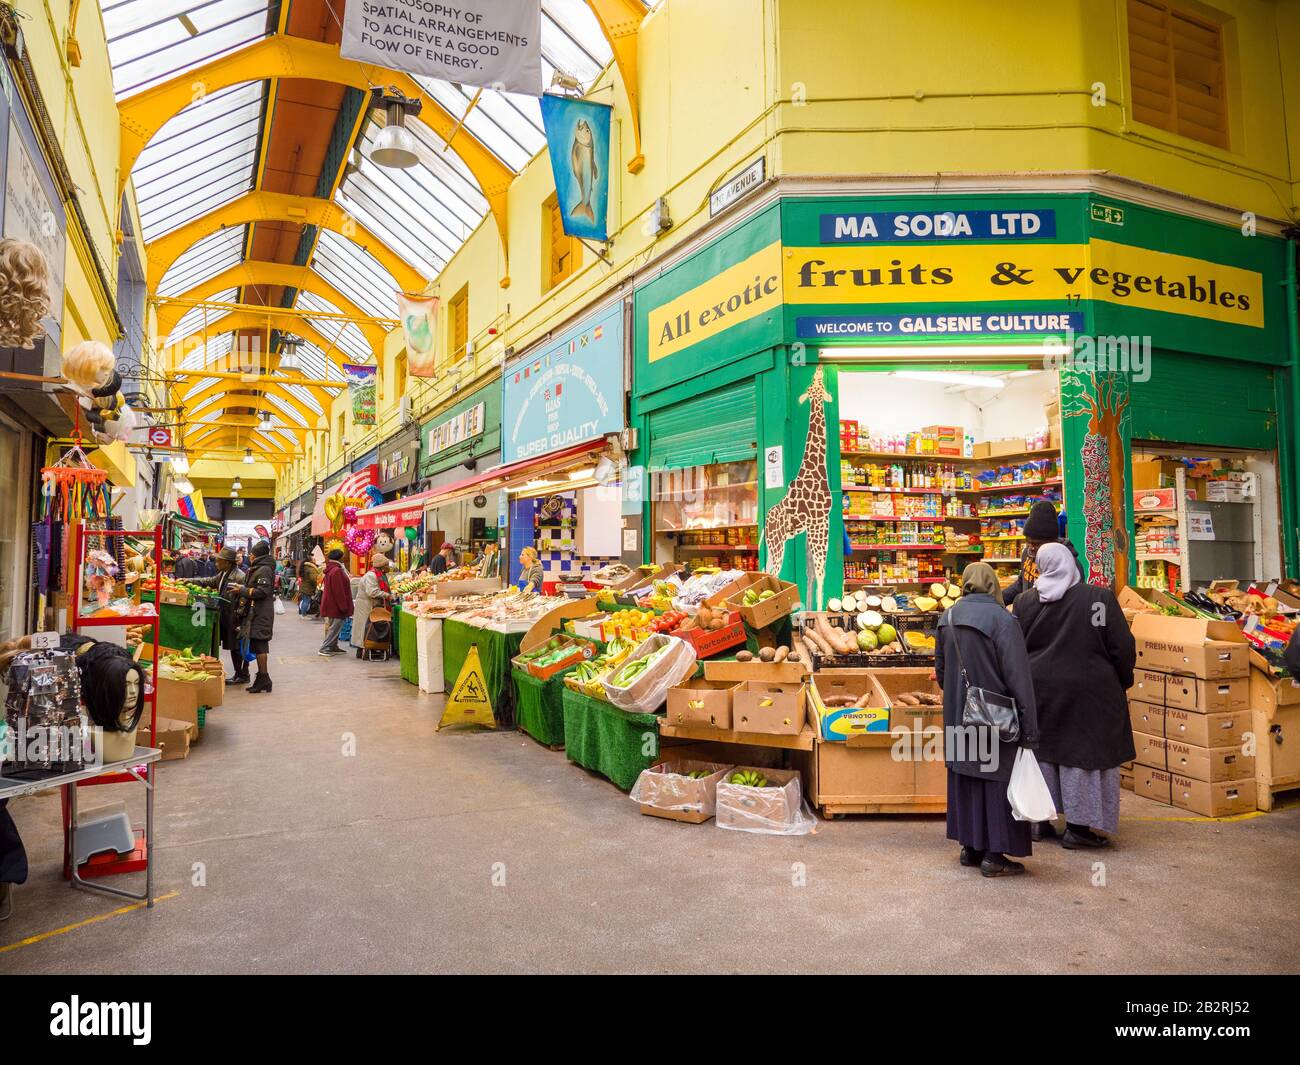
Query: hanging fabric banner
{"x": 419, "y": 316}
{"x": 490, "y": 44}
{"x": 577, "y": 136}
{"x": 361, "y": 384}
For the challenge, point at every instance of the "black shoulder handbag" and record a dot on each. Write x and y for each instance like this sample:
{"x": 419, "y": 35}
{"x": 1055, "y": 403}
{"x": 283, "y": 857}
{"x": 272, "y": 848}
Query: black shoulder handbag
{"x": 983, "y": 707}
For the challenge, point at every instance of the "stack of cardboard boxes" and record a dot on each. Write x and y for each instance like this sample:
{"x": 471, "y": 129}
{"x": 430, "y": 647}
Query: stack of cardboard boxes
{"x": 1190, "y": 709}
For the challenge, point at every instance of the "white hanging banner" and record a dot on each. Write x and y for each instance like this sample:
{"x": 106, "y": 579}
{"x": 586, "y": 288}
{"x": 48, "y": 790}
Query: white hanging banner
{"x": 495, "y": 44}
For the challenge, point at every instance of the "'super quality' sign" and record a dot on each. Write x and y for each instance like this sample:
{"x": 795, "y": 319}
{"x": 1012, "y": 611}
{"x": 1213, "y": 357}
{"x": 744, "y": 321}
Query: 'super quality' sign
{"x": 566, "y": 393}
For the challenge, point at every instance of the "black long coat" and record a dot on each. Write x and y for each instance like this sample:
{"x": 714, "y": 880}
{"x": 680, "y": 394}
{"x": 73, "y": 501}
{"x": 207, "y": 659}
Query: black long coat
{"x": 228, "y": 622}
{"x": 1082, "y": 656}
{"x": 259, "y": 619}
{"x": 993, "y": 652}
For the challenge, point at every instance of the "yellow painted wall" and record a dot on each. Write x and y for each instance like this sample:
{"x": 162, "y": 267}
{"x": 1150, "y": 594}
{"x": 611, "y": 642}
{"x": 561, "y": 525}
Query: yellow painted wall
{"x": 85, "y": 119}
{"x": 950, "y": 87}
{"x": 829, "y": 88}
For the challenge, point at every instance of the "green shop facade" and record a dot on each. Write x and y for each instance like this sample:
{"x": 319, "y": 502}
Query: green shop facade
{"x": 742, "y": 343}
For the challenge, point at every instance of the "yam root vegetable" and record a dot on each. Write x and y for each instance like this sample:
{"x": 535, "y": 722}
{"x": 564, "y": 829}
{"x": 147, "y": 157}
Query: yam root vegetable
{"x": 814, "y": 639}
{"x": 766, "y": 654}
{"x": 907, "y": 699}
{"x": 794, "y": 657}
{"x": 842, "y": 641}
{"x": 782, "y": 653}
{"x": 744, "y": 656}
{"x": 863, "y": 700}
{"x": 838, "y": 700}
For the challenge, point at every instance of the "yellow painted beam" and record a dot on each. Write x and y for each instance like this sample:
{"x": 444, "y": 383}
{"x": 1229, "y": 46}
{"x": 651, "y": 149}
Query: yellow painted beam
{"x": 236, "y": 375}
{"x": 621, "y": 22}
{"x": 256, "y": 272}
{"x": 261, "y": 206}
{"x": 256, "y": 395}
{"x": 210, "y": 436}
{"x": 280, "y": 56}
{"x": 275, "y": 318}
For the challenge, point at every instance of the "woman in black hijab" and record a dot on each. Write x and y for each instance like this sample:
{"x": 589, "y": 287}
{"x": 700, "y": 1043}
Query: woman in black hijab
{"x": 980, "y": 645}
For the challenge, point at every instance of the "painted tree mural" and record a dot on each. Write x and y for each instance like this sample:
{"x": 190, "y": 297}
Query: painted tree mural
{"x": 1102, "y": 398}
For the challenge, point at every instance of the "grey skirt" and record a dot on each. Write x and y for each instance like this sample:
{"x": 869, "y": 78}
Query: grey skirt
{"x": 1087, "y": 797}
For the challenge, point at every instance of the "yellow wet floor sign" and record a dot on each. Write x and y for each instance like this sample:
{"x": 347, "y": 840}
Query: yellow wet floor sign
{"x": 469, "y": 703}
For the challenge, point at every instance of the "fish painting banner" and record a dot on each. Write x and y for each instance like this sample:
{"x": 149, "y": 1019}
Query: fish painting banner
{"x": 577, "y": 136}
{"x": 361, "y": 386}
{"x": 490, "y": 44}
{"x": 419, "y": 316}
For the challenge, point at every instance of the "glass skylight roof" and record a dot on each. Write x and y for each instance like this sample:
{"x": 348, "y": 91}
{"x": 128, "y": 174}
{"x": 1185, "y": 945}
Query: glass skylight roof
{"x": 207, "y": 155}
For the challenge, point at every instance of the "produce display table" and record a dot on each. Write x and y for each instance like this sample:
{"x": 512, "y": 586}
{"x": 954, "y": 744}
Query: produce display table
{"x": 407, "y": 649}
{"x": 495, "y": 650}
{"x": 610, "y": 741}
{"x": 539, "y": 706}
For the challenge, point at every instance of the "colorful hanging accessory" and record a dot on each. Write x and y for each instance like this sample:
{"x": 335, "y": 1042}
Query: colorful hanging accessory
{"x": 74, "y": 489}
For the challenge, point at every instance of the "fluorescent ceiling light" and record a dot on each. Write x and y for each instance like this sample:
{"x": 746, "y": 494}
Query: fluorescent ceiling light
{"x": 581, "y": 475}
{"x": 184, "y": 487}
{"x": 940, "y": 352}
{"x": 970, "y": 380}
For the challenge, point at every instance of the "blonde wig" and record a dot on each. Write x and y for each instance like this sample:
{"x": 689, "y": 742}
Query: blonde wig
{"x": 24, "y": 293}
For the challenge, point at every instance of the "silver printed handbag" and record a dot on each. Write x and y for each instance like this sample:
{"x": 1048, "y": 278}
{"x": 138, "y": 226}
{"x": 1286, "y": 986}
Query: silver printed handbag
{"x": 983, "y": 707}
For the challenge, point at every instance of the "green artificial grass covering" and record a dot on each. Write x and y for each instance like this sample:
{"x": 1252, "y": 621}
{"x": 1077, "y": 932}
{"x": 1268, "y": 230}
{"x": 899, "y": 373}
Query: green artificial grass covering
{"x": 407, "y": 650}
{"x": 495, "y": 650}
{"x": 539, "y": 707}
{"x": 179, "y": 628}
{"x": 610, "y": 741}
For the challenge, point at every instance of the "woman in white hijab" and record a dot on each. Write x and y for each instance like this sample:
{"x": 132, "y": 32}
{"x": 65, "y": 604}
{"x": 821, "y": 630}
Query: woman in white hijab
{"x": 1081, "y": 656}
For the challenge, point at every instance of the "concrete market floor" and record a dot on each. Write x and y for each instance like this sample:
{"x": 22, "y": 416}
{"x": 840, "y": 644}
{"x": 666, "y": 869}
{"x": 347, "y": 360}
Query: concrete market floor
{"x": 485, "y": 852}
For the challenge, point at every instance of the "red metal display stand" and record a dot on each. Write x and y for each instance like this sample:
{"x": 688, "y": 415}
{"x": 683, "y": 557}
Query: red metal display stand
{"x": 136, "y": 861}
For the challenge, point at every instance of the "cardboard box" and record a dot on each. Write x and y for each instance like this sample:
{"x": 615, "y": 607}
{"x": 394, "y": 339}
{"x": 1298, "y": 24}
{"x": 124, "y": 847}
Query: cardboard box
{"x": 665, "y": 790}
{"x": 1224, "y": 798}
{"x": 1206, "y": 649}
{"x": 1226, "y": 729}
{"x": 1154, "y": 500}
{"x": 175, "y": 597}
{"x": 948, "y": 439}
{"x": 783, "y": 600}
{"x": 701, "y": 702}
{"x": 1153, "y": 473}
{"x": 769, "y": 808}
{"x": 173, "y": 738}
{"x": 768, "y": 707}
{"x": 1190, "y": 693}
{"x": 1011, "y": 445}
{"x": 896, "y": 681}
{"x": 780, "y": 672}
{"x": 836, "y": 723}
{"x": 576, "y": 651}
{"x": 1200, "y": 763}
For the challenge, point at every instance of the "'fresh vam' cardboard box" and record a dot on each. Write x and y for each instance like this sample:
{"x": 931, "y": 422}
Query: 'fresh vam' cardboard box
{"x": 1204, "y": 730}
{"x": 1202, "y": 648}
{"x": 1191, "y": 693}
{"x": 1200, "y": 763}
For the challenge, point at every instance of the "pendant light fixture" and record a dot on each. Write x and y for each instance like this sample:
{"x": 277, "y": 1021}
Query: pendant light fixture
{"x": 248, "y": 456}
{"x": 395, "y": 146}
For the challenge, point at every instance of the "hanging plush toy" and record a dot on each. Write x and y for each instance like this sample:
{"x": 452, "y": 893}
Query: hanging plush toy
{"x": 24, "y": 293}
{"x": 89, "y": 366}
{"x": 384, "y": 542}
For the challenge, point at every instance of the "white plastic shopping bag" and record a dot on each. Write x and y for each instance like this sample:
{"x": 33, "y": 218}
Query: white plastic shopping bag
{"x": 279, "y": 606}
{"x": 1027, "y": 792}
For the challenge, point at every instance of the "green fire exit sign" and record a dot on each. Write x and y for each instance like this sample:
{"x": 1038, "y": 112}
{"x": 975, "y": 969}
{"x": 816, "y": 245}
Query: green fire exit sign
{"x": 1102, "y": 212}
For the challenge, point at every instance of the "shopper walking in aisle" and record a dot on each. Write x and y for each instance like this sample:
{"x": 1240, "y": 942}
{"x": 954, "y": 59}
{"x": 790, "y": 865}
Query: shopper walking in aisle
{"x": 185, "y": 567}
{"x": 259, "y": 613}
{"x": 371, "y": 593}
{"x": 1042, "y": 526}
{"x": 979, "y": 645}
{"x": 336, "y": 602}
{"x": 1082, "y": 655}
{"x": 229, "y": 586}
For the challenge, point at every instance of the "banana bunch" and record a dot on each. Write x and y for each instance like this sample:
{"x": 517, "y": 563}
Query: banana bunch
{"x": 698, "y": 774}
{"x": 750, "y": 778}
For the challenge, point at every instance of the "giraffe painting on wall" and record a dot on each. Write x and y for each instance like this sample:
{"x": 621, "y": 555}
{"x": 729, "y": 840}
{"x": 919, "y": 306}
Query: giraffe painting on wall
{"x": 806, "y": 507}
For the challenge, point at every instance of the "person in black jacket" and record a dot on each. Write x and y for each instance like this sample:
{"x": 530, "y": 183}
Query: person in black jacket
{"x": 1041, "y": 527}
{"x": 1082, "y": 655}
{"x": 259, "y": 612}
{"x": 979, "y": 645}
{"x": 229, "y": 585}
